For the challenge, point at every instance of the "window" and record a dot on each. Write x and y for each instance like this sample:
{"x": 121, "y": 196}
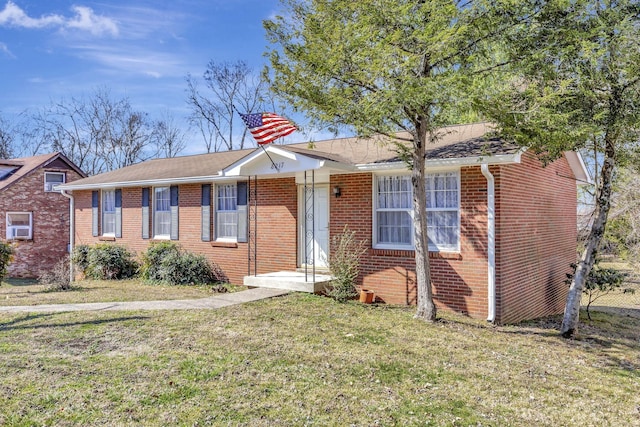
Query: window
{"x": 161, "y": 213}
{"x": 442, "y": 211}
{"x": 226, "y": 211}
{"x": 393, "y": 211}
{"x": 51, "y": 179}
{"x": 109, "y": 212}
{"x": 394, "y": 206}
{"x": 19, "y": 225}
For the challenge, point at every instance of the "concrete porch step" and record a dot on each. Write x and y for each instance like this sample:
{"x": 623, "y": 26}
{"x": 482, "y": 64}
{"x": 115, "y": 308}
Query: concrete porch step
{"x": 289, "y": 280}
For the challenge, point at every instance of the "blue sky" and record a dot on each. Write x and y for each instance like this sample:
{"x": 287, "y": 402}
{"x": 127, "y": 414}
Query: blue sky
{"x": 140, "y": 49}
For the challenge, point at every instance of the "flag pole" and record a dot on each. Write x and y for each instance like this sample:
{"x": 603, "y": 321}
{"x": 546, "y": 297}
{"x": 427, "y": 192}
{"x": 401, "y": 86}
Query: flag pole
{"x": 272, "y": 162}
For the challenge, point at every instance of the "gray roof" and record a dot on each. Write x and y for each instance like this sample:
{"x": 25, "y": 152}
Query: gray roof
{"x": 461, "y": 141}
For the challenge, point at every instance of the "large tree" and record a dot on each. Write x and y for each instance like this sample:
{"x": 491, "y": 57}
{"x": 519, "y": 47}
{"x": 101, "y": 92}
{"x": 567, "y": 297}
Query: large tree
{"x": 577, "y": 83}
{"x": 383, "y": 66}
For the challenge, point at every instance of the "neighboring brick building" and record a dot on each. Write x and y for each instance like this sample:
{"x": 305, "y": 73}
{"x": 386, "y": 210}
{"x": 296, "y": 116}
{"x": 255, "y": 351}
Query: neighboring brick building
{"x": 272, "y": 210}
{"x": 33, "y": 215}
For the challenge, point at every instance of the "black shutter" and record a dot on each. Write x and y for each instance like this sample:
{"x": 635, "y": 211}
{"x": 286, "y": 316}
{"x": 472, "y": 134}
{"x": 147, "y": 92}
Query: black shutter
{"x": 118, "y": 212}
{"x": 95, "y": 213}
{"x": 206, "y": 212}
{"x": 174, "y": 212}
{"x": 241, "y": 205}
{"x": 145, "y": 213}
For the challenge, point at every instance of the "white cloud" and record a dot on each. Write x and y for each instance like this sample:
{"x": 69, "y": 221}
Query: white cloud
{"x": 4, "y": 48}
{"x": 87, "y": 20}
{"x": 12, "y": 15}
{"x": 84, "y": 19}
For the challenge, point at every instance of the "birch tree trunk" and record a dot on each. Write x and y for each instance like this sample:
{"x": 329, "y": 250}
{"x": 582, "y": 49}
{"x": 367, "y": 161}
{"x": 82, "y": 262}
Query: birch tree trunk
{"x": 588, "y": 258}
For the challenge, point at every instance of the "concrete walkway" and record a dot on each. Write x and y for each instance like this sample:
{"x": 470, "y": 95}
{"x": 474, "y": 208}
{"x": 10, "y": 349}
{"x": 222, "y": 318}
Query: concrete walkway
{"x": 217, "y": 301}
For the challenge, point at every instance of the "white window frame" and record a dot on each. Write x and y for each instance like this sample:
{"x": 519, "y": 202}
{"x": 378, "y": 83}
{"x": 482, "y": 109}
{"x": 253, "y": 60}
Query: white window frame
{"x": 22, "y": 227}
{"x": 411, "y": 246}
{"x": 227, "y": 212}
{"x": 165, "y": 212}
{"x": 48, "y": 186}
{"x": 103, "y": 206}
{"x": 409, "y": 210}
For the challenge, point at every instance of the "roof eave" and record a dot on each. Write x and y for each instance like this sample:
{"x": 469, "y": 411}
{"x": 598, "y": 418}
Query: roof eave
{"x": 141, "y": 183}
{"x": 444, "y": 163}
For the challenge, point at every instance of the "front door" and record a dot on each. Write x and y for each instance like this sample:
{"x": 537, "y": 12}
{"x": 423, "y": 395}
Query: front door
{"x": 313, "y": 221}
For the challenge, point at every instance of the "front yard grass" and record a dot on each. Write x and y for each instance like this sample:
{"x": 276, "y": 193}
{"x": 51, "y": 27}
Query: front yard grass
{"x": 306, "y": 360}
{"x": 29, "y": 292}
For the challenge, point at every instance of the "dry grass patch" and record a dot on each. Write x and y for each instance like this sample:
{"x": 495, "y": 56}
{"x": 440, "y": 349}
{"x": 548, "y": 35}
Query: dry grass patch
{"x": 29, "y": 292}
{"x": 305, "y": 360}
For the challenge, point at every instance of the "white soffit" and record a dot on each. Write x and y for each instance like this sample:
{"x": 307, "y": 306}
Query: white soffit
{"x": 578, "y": 167}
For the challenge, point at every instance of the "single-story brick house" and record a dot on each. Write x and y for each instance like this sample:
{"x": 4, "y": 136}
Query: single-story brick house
{"x": 33, "y": 214}
{"x": 502, "y": 227}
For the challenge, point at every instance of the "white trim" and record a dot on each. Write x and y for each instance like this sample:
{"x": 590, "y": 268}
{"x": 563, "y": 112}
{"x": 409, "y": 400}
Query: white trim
{"x": 579, "y": 169}
{"x": 153, "y": 213}
{"x": 165, "y": 182}
{"x": 225, "y": 239}
{"x": 102, "y": 211}
{"x": 19, "y": 227}
{"x": 432, "y": 164}
{"x": 411, "y": 246}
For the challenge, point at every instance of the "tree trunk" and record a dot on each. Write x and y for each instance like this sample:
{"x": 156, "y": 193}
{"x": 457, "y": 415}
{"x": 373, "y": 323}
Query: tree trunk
{"x": 426, "y": 309}
{"x": 588, "y": 258}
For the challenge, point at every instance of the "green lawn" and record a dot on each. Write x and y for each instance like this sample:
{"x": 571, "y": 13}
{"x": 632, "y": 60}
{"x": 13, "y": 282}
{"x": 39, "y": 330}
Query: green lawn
{"x": 29, "y": 292}
{"x": 305, "y": 360}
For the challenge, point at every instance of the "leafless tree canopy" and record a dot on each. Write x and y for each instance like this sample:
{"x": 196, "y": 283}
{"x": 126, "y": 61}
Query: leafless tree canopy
{"x": 98, "y": 133}
{"x": 230, "y": 86}
{"x": 6, "y": 138}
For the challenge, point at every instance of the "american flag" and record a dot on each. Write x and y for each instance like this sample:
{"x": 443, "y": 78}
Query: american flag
{"x": 267, "y": 127}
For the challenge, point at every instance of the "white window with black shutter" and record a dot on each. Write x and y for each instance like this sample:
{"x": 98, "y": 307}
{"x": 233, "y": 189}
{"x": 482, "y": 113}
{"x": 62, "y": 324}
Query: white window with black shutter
{"x": 231, "y": 212}
{"x": 165, "y": 213}
{"x": 109, "y": 213}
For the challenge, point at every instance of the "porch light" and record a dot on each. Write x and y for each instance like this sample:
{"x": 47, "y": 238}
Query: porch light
{"x": 337, "y": 192}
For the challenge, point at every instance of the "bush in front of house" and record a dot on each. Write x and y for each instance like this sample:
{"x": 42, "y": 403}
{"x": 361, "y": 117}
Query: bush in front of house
{"x": 105, "y": 261}
{"x": 6, "y": 253}
{"x": 57, "y": 279}
{"x": 80, "y": 257}
{"x": 344, "y": 264}
{"x": 167, "y": 262}
{"x": 152, "y": 268}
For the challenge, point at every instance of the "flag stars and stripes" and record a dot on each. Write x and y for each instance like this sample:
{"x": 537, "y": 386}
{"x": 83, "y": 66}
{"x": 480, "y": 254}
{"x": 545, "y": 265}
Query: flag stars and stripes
{"x": 267, "y": 127}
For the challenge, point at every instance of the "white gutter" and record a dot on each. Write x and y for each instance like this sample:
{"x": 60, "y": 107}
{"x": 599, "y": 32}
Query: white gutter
{"x": 498, "y": 159}
{"x": 142, "y": 183}
{"x": 491, "y": 242}
{"x": 72, "y": 233}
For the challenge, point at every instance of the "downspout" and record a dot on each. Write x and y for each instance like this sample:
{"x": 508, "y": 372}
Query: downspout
{"x": 71, "y": 232}
{"x": 491, "y": 242}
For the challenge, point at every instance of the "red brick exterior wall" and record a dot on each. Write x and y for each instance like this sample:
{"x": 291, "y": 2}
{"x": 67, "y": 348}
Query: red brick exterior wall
{"x": 535, "y": 238}
{"x": 536, "y": 231}
{"x": 50, "y": 215}
{"x": 459, "y": 279}
{"x": 277, "y": 235}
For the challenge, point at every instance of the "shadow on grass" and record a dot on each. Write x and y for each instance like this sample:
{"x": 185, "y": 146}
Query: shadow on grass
{"x": 607, "y": 335}
{"x": 17, "y": 323}
{"x": 15, "y": 281}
